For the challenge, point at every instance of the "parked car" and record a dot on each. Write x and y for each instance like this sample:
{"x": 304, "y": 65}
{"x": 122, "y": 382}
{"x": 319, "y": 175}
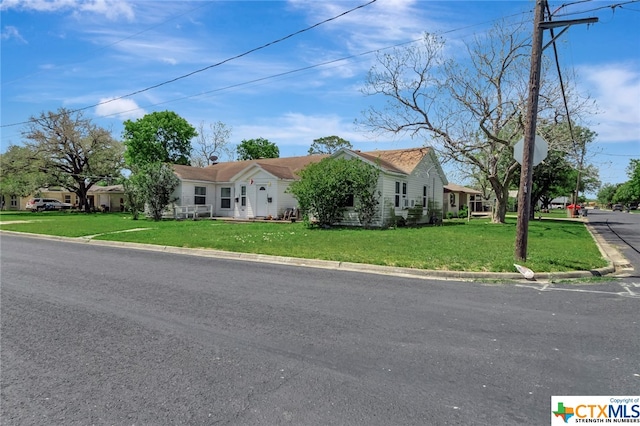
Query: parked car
{"x": 40, "y": 204}
{"x": 617, "y": 207}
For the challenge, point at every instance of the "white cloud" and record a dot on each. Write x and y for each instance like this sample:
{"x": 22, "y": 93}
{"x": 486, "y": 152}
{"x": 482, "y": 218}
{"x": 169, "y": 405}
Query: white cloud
{"x": 121, "y": 108}
{"x": 112, "y": 9}
{"x": 377, "y": 25}
{"x": 10, "y": 32}
{"x": 616, "y": 89}
{"x": 296, "y": 129}
{"x": 170, "y": 61}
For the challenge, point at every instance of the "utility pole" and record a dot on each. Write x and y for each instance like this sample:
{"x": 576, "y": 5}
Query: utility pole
{"x": 526, "y": 174}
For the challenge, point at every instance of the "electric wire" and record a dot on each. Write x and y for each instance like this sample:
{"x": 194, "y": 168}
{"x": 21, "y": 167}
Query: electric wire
{"x": 255, "y": 49}
{"x": 566, "y": 105}
{"x": 609, "y": 6}
{"x": 296, "y": 70}
{"x": 285, "y": 73}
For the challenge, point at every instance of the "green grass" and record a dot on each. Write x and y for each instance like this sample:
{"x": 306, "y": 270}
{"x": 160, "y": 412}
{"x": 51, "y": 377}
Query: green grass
{"x": 553, "y": 246}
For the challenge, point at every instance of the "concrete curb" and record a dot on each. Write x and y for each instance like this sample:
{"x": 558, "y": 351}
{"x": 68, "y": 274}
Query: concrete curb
{"x": 615, "y": 259}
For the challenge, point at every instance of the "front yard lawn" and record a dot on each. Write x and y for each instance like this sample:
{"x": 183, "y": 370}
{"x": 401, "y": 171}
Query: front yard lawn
{"x": 458, "y": 245}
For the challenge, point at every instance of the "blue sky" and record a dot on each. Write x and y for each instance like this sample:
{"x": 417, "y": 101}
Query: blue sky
{"x": 76, "y": 54}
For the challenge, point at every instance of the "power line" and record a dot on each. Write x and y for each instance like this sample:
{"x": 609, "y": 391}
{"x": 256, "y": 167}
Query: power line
{"x": 345, "y": 58}
{"x": 173, "y": 80}
{"x": 291, "y": 71}
{"x": 609, "y": 6}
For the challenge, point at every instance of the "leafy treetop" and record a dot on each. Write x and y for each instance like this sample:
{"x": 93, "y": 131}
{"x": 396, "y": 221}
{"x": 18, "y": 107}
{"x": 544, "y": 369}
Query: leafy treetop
{"x": 158, "y": 137}
{"x": 328, "y": 145}
{"x": 252, "y": 149}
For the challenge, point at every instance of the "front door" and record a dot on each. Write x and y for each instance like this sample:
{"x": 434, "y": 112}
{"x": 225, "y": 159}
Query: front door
{"x": 261, "y": 200}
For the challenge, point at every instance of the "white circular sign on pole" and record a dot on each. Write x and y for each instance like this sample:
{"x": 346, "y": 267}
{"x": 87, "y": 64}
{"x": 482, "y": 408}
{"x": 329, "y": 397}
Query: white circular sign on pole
{"x": 540, "y": 150}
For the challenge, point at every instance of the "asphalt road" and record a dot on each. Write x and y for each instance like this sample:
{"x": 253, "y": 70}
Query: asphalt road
{"x": 622, "y": 230}
{"x": 101, "y": 335}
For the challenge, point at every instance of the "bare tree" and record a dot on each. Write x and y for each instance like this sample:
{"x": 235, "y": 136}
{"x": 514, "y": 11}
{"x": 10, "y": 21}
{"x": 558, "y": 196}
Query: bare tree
{"x": 473, "y": 111}
{"x": 211, "y": 142}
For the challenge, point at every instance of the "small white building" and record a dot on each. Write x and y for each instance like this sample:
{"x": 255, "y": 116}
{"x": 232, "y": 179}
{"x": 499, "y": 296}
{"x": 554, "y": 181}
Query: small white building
{"x": 258, "y": 188}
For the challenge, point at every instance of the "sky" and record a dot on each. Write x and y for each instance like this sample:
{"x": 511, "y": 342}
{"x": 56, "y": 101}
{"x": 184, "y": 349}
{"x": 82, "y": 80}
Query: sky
{"x": 249, "y": 65}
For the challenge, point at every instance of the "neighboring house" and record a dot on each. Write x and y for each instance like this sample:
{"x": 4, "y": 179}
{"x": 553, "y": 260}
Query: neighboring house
{"x": 560, "y": 203}
{"x": 457, "y": 196}
{"x": 258, "y": 188}
{"x": 108, "y": 197}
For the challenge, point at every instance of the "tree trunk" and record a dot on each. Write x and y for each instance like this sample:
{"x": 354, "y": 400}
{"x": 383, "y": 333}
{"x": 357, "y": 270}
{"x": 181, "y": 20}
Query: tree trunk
{"x": 502, "y": 199}
{"x": 82, "y": 195}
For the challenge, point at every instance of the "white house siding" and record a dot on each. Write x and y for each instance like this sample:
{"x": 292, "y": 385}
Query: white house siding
{"x": 185, "y": 192}
{"x": 351, "y": 218}
{"x": 240, "y": 211}
{"x": 218, "y": 210}
{"x": 258, "y": 204}
{"x": 285, "y": 199}
{"x": 185, "y": 195}
{"x": 426, "y": 173}
{"x": 387, "y": 202}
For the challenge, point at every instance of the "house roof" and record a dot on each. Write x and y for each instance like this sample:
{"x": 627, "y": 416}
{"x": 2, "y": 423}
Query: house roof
{"x": 282, "y": 168}
{"x": 108, "y": 188}
{"x": 397, "y": 160}
{"x": 452, "y": 187}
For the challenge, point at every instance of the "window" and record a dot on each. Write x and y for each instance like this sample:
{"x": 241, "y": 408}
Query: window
{"x": 200, "y": 196}
{"x": 425, "y": 198}
{"x": 243, "y": 195}
{"x": 348, "y": 201}
{"x": 13, "y": 201}
{"x": 67, "y": 199}
{"x": 404, "y": 194}
{"x": 225, "y": 198}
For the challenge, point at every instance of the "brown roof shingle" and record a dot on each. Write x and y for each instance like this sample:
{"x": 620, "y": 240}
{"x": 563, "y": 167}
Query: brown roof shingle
{"x": 397, "y": 160}
{"x": 282, "y": 168}
{"x": 452, "y": 187}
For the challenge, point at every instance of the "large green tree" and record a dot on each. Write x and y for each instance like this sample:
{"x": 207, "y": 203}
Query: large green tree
{"x": 574, "y": 141}
{"x": 163, "y": 137}
{"x": 326, "y": 189}
{"x": 552, "y": 178}
{"x": 328, "y": 145}
{"x": 73, "y": 152}
{"x": 20, "y": 172}
{"x": 607, "y": 193}
{"x": 629, "y": 192}
{"x": 253, "y": 149}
